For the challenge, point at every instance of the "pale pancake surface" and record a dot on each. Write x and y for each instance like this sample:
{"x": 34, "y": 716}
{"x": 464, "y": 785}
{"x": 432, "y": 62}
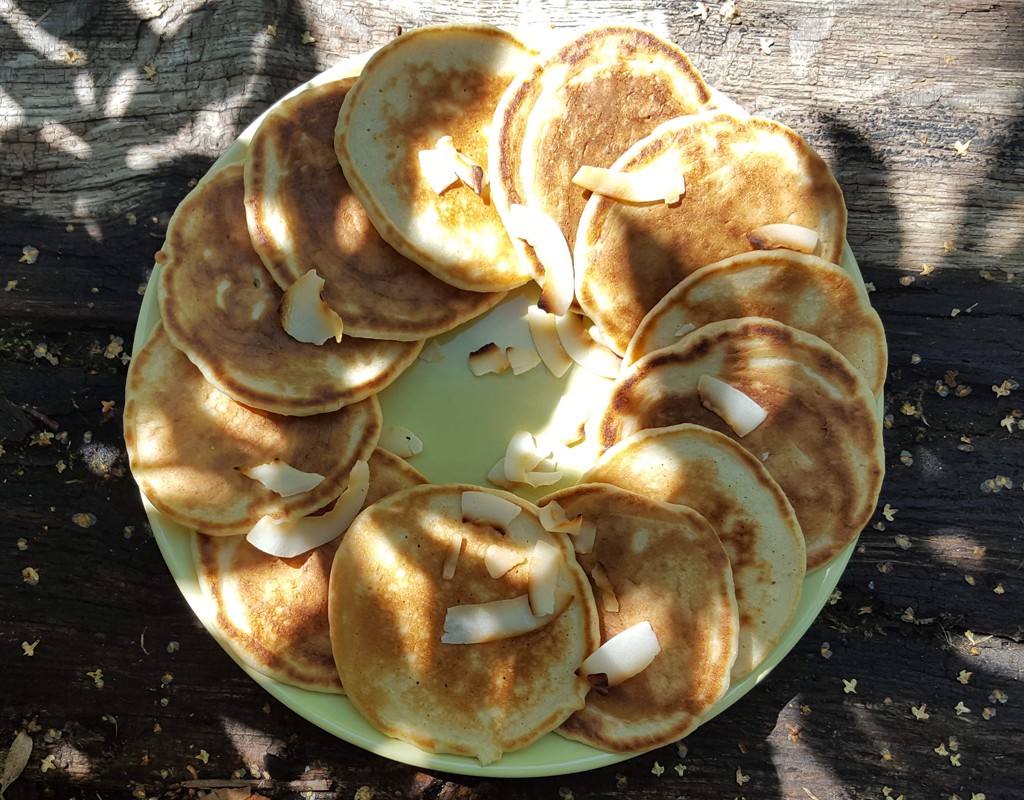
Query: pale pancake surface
{"x": 220, "y": 306}
{"x": 709, "y": 472}
{"x": 186, "y": 441}
{"x": 272, "y": 612}
{"x": 800, "y": 290}
{"x": 388, "y": 608}
{"x": 584, "y": 103}
{"x": 740, "y": 174}
{"x": 821, "y": 440}
{"x": 303, "y": 215}
{"x": 668, "y": 568}
{"x": 436, "y": 81}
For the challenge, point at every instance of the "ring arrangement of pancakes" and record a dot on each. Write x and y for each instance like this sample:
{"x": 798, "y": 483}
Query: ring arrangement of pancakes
{"x": 513, "y": 403}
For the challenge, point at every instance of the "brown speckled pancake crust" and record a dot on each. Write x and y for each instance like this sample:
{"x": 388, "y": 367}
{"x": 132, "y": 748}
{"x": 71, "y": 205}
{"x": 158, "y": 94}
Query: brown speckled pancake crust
{"x": 584, "y": 104}
{"x": 800, "y": 290}
{"x": 272, "y": 612}
{"x": 706, "y": 470}
{"x": 387, "y": 611}
{"x": 821, "y": 440}
{"x": 436, "y": 81}
{"x": 303, "y": 215}
{"x": 220, "y": 306}
{"x": 740, "y": 174}
{"x": 668, "y": 568}
{"x": 186, "y": 440}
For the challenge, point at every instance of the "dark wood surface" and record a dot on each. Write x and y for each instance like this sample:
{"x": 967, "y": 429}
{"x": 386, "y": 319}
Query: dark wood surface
{"x": 110, "y": 111}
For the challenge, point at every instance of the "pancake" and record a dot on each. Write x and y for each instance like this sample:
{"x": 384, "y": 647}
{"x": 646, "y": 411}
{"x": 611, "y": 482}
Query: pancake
{"x": 740, "y": 174}
{"x": 821, "y": 440}
{"x": 668, "y": 568}
{"x": 388, "y": 606}
{"x": 272, "y": 612}
{"x": 436, "y": 81}
{"x": 302, "y": 215}
{"x": 709, "y": 472}
{"x": 800, "y": 290}
{"x": 220, "y": 307}
{"x": 584, "y": 103}
{"x": 186, "y": 440}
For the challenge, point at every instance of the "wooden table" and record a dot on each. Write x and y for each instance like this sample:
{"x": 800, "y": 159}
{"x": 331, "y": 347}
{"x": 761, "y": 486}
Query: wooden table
{"x": 907, "y": 684}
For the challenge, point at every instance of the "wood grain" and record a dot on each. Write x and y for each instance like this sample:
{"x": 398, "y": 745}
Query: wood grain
{"x": 109, "y": 112}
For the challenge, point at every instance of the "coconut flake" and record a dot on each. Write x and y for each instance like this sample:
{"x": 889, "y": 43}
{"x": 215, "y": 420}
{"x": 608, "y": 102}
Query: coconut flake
{"x": 542, "y": 233}
{"x": 553, "y": 518}
{"x": 437, "y": 169}
{"x": 497, "y": 476}
{"x": 499, "y": 559}
{"x": 487, "y": 508}
{"x": 624, "y": 655}
{"x": 292, "y": 537}
{"x": 583, "y": 542}
{"x": 501, "y": 619}
{"x": 782, "y": 235}
{"x": 283, "y": 478}
{"x": 305, "y": 316}
{"x": 583, "y": 349}
{"x": 609, "y": 600}
{"x": 400, "y": 441}
{"x": 642, "y": 186}
{"x": 537, "y": 478}
{"x": 451, "y": 558}
{"x": 489, "y": 358}
{"x": 431, "y": 352}
{"x": 545, "y": 338}
{"x": 521, "y": 456}
{"x": 522, "y": 359}
{"x": 684, "y": 329}
{"x": 739, "y": 411}
{"x": 544, "y": 562}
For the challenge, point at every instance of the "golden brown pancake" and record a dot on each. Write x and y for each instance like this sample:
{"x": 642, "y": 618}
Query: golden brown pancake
{"x": 220, "y": 306}
{"x": 667, "y": 568}
{"x": 821, "y": 440}
{"x": 709, "y": 472}
{"x": 584, "y": 103}
{"x": 800, "y": 290}
{"x": 187, "y": 440}
{"x": 388, "y": 607}
{"x": 272, "y": 612}
{"x": 442, "y": 80}
{"x": 740, "y": 174}
{"x": 303, "y": 215}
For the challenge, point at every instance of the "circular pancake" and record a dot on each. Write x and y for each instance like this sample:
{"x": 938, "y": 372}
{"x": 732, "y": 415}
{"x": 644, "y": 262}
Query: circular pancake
{"x": 387, "y": 611}
{"x": 740, "y": 174}
{"x": 220, "y": 307}
{"x": 668, "y": 568}
{"x": 709, "y": 472}
{"x": 821, "y": 440}
{"x": 582, "y": 104}
{"x": 186, "y": 440}
{"x": 303, "y": 215}
{"x": 272, "y": 612}
{"x": 436, "y": 81}
{"x": 800, "y": 290}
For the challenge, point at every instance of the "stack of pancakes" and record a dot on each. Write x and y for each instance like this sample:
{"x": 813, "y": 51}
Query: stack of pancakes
{"x": 698, "y": 530}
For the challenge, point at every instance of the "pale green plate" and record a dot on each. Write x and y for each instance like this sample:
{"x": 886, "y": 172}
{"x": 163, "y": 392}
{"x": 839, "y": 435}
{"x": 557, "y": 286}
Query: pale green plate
{"x": 465, "y": 423}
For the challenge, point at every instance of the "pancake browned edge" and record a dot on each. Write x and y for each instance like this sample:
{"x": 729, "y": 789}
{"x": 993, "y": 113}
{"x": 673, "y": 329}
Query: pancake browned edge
{"x": 822, "y": 436}
{"x": 272, "y": 612}
{"x": 388, "y": 607}
{"x": 221, "y": 308}
{"x": 303, "y": 215}
{"x": 740, "y": 175}
{"x": 442, "y": 80}
{"x": 186, "y": 441}
{"x": 666, "y": 567}
{"x": 583, "y": 104}
{"x": 697, "y": 467}
{"x": 803, "y": 291}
